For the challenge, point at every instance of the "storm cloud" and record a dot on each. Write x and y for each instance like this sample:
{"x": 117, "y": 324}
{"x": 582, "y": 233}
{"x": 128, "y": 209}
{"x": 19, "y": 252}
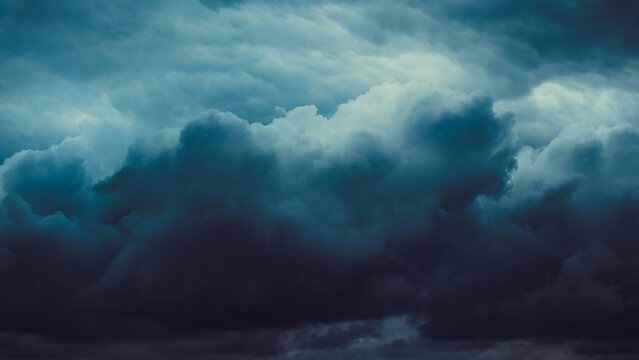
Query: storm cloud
{"x": 393, "y": 180}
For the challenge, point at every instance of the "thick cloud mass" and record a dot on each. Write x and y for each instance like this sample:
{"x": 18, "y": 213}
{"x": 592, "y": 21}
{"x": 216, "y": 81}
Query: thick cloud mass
{"x": 535, "y": 32}
{"x": 391, "y": 180}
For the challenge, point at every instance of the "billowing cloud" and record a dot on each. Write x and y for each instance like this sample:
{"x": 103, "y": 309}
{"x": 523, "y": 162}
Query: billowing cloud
{"x": 303, "y": 224}
{"x": 395, "y": 180}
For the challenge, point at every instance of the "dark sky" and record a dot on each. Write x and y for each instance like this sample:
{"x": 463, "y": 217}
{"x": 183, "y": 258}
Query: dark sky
{"x": 387, "y": 179}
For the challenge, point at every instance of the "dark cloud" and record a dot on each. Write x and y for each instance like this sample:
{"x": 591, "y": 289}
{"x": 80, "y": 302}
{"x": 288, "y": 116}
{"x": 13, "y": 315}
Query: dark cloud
{"x": 221, "y": 243}
{"x": 422, "y": 218}
{"x": 57, "y": 34}
{"x": 557, "y": 256}
{"x": 191, "y": 239}
{"x": 534, "y": 32}
{"x": 48, "y": 184}
{"x": 226, "y": 345}
{"x": 204, "y": 249}
{"x": 219, "y": 4}
{"x": 607, "y": 348}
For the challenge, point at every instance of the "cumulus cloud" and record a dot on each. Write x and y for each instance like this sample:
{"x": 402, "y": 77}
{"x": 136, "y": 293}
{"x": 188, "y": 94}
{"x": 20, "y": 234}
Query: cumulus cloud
{"x": 298, "y": 220}
{"x": 241, "y": 179}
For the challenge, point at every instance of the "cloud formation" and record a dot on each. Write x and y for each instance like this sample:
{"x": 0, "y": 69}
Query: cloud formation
{"x": 395, "y": 180}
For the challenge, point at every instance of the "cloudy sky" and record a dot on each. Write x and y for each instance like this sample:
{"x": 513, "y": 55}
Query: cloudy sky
{"x": 337, "y": 179}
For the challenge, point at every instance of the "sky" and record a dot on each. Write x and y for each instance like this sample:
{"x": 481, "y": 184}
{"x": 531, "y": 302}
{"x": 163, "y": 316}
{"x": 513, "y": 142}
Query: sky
{"x": 337, "y": 179}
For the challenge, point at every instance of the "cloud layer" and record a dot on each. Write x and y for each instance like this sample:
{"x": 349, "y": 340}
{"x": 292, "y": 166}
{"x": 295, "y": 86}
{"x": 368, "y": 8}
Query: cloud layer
{"x": 249, "y": 179}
